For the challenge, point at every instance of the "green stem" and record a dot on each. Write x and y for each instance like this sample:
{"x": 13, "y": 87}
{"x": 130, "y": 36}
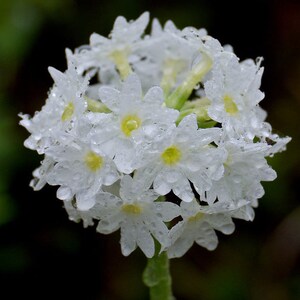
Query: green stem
{"x": 157, "y": 277}
{"x": 198, "y": 107}
{"x": 96, "y": 106}
{"x": 178, "y": 98}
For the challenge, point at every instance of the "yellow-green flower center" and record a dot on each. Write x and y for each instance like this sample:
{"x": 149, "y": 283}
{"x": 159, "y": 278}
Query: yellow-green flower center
{"x": 132, "y": 209}
{"x": 120, "y": 58}
{"x": 230, "y": 106}
{"x": 93, "y": 161}
{"x": 171, "y": 155}
{"x": 68, "y": 112}
{"x": 196, "y": 217}
{"x": 130, "y": 123}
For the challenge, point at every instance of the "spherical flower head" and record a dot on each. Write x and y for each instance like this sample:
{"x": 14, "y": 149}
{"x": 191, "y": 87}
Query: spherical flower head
{"x": 137, "y": 116}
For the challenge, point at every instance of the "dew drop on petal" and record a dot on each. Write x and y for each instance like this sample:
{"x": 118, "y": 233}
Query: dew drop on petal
{"x": 236, "y": 178}
{"x": 64, "y": 193}
{"x": 228, "y": 228}
{"x": 104, "y": 223}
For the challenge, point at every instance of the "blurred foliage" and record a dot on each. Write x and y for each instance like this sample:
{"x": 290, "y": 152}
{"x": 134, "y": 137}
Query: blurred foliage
{"x": 20, "y": 22}
{"x": 42, "y": 254}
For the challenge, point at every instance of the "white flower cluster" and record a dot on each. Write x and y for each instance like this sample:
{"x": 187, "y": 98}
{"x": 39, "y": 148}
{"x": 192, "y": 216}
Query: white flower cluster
{"x": 137, "y": 116}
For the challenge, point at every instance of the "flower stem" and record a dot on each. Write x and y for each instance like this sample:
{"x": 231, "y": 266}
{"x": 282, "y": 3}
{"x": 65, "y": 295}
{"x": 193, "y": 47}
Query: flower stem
{"x": 178, "y": 98}
{"x": 157, "y": 277}
{"x": 96, "y": 106}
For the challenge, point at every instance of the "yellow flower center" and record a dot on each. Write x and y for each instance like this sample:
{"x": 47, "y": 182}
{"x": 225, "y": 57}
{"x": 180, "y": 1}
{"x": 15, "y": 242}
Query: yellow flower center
{"x": 132, "y": 209}
{"x": 171, "y": 155}
{"x": 130, "y": 123}
{"x": 196, "y": 217}
{"x": 93, "y": 161}
{"x": 230, "y": 106}
{"x": 68, "y": 112}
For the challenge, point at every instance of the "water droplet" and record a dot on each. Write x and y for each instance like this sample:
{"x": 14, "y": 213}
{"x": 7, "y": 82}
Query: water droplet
{"x": 236, "y": 178}
{"x": 64, "y": 193}
{"x": 228, "y": 228}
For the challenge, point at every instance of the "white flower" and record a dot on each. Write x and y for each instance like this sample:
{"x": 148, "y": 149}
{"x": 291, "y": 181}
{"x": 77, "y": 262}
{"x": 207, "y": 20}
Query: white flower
{"x": 137, "y": 215}
{"x": 198, "y": 225}
{"x": 63, "y": 107}
{"x": 166, "y": 56}
{"x": 234, "y": 94}
{"x": 106, "y": 53}
{"x": 134, "y": 118}
{"x": 80, "y": 168}
{"x": 183, "y": 154}
{"x": 245, "y": 168}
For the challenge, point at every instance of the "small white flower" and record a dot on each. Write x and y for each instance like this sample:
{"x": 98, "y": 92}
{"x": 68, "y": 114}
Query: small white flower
{"x": 137, "y": 215}
{"x": 166, "y": 56}
{"x": 106, "y": 53}
{"x": 233, "y": 90}
{"x": 63, "y": 107}
{"x": 183, "y": 154}
{"x": 81, "y": 170}
{"x": 245, "y": 168}
{"x": 198, "y": 225}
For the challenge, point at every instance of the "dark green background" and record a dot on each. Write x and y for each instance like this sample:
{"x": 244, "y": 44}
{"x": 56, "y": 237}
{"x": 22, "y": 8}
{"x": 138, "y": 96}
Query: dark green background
{"x": 45, "y": 256}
